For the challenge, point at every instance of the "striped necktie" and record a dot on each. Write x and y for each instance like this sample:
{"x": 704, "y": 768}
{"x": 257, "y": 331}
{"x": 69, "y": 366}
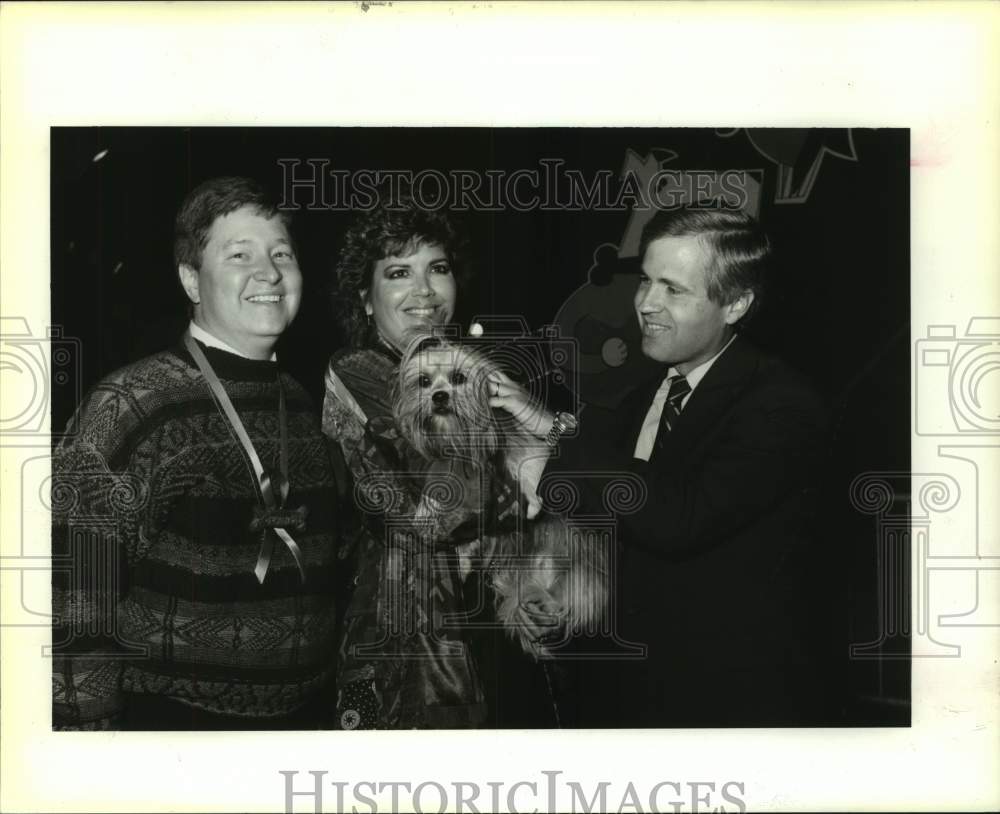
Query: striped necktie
{"x": 679, "y": 388}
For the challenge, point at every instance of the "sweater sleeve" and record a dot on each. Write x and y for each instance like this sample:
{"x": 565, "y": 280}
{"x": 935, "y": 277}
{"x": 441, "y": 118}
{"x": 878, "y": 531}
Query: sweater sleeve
{"x": 97, "y": 519}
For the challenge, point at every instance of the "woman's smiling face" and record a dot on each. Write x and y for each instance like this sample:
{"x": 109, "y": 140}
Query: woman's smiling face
{"x": 412, "y": 291}
{"x": 248, "y": 288}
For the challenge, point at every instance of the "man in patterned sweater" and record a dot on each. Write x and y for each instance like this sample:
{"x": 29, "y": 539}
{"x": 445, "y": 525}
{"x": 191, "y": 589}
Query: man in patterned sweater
{"x": 194, "y": 507}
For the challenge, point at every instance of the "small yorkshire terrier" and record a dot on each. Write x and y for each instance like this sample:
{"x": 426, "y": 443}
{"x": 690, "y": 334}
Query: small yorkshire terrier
{"x": 441, "y": 406}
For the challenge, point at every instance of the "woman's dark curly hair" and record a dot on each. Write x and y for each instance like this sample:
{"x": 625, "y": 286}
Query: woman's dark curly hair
{"x": 395, "y": 228}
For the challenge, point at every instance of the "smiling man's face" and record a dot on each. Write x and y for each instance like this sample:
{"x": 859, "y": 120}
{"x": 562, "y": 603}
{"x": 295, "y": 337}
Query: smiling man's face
{"x": 249, "y": 286}
{"x": 680, "y": 325}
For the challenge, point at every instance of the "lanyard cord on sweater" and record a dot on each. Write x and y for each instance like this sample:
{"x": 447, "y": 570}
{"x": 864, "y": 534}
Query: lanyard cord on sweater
{"x": 273, "y": 485}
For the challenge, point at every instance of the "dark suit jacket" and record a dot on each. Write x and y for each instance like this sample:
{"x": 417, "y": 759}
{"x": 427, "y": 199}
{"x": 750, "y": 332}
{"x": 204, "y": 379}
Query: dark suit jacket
{"x": 717, "y": 570}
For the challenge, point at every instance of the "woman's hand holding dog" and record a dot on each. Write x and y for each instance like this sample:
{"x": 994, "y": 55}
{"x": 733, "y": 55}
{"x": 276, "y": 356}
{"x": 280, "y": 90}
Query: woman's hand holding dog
{"x": 544, "y": 621}
{"x": 506, "y": 394}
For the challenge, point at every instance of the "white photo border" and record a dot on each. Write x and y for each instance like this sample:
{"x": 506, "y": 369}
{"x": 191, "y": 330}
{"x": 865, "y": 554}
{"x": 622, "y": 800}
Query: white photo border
{"x": 932, "y": 67}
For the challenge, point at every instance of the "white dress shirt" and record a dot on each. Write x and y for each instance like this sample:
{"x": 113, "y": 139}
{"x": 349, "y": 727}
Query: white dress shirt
{"x": 203, "y": 336}
{"x": 651, "y": 424}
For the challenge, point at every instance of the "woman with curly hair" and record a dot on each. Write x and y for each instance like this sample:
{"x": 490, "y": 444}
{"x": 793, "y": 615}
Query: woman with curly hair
{"x": 405, "y": 661}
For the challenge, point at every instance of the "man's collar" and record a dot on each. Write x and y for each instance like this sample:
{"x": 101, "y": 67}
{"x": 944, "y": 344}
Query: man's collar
{"x": 695, "y": 375}
{"x": 203, "y": 336}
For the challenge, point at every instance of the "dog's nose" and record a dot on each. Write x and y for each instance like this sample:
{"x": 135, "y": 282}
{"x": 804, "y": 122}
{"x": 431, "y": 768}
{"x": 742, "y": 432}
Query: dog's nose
{"x": 440, "y": 397}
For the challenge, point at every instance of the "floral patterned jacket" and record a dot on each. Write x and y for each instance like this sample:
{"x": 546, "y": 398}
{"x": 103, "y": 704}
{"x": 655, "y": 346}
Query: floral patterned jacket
{"x": 405, "y": 656}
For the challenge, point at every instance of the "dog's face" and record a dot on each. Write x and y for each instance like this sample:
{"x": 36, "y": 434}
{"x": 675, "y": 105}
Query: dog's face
{"x": 443, "y": 385}
{"x": 442, "y": 400}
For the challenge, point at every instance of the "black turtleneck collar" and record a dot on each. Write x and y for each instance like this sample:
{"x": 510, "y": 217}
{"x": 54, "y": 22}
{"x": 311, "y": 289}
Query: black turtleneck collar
{"x": 231, "y": 366}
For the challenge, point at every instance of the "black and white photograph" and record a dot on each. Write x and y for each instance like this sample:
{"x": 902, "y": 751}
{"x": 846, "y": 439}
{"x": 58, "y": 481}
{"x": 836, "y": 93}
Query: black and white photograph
{"x": 413, "y": 460}
{"x": 444, "y": 297}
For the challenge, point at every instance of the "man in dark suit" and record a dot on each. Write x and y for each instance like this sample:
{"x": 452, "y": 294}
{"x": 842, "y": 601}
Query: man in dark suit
{"x": 715, "y": 570}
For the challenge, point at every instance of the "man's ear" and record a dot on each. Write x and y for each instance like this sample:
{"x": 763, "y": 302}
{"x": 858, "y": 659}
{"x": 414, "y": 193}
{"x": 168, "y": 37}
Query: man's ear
{"x": 365, "y": 303}
{"x": 737, "y": 309}
{"x": 189, "y": 282}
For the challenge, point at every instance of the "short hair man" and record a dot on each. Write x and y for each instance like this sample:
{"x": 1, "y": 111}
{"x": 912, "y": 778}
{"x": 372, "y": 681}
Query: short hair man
{"x": 198, "y": 529}
{"x": 727, "y": 445}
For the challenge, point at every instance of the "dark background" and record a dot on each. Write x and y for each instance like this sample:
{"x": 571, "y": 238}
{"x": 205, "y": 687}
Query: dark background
{"x": 838, "y": 309}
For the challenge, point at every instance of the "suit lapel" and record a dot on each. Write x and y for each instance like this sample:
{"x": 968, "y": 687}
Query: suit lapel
{"x": 725, "y": 379}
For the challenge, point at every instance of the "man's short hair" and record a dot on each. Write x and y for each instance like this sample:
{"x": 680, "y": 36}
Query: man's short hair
{"x": 214, "y": 199}
{"x": 740, "y": 249}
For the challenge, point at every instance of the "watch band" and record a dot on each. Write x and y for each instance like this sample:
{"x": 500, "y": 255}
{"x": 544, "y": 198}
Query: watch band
{"x": 561, "y": 424}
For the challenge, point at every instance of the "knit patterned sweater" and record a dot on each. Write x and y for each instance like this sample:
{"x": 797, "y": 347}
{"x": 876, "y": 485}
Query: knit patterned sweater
{"x": 154, "y": 547}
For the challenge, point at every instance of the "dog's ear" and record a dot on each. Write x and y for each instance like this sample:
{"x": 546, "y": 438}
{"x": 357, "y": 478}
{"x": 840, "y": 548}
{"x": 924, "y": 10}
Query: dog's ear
{"x": 478, "y": 367}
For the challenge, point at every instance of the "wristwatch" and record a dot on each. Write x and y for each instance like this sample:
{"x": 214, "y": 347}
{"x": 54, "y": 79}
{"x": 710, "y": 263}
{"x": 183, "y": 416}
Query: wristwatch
{"x": 562, "y": 424}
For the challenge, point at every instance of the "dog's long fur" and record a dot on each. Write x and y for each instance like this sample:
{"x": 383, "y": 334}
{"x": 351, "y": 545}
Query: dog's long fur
{"x": 441, "y": 406}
